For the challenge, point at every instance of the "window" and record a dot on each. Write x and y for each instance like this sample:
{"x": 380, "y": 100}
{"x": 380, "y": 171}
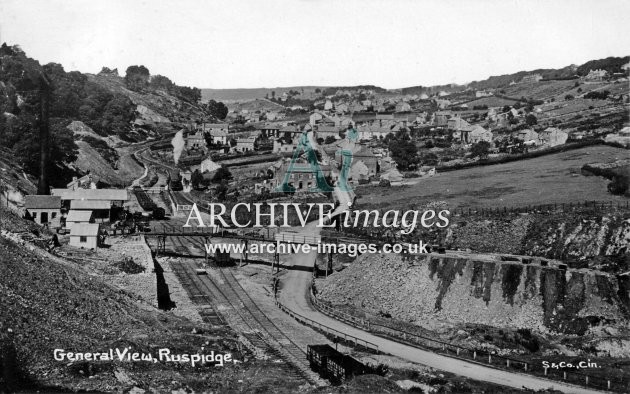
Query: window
{"x": 83, "y": 239}
{"x": 34, "y": 215}
{"x": 53, "y": 215}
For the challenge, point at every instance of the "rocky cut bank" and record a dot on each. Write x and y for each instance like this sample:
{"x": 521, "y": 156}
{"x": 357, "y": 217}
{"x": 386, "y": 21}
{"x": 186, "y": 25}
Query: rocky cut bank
{"x": 496, "y": 293}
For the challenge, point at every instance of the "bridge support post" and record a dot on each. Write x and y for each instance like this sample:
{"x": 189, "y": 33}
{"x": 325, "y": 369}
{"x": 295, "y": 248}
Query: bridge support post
{"x": 276, "y": 261}
{"x": 161, "y": 244}
{"x": 329, "y": 264}
{"x": 244, "y": 254}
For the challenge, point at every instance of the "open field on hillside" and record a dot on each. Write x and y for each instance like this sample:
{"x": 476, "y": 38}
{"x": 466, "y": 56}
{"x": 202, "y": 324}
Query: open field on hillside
{"x": 491, "y": 101}
{"x": 539, "y": 90}
{"x": 545, "y": 180}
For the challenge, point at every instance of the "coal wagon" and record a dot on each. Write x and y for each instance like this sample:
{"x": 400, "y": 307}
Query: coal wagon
{"x": 333, "y": 365}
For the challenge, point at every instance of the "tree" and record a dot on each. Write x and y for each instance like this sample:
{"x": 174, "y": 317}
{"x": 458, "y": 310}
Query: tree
{"x": 531, "y": 120}
{"x": 216, "y": 109}
{"x": 620, "y": 184}
{"x": 160, "y": 82}
{"x": 137, "y": 78}
{"x": 404, "y": 154}
{"x": 196, "y": 179}
{"x": 222, "y": 190}
{"x": 595, "y": 95}
{"x": 568, "y": 97}
{"x": 63, "y": 150}
{"x": 186, "y": 93}
{"x": 480, "y": 149}
{"x": 222, "y": 175}
{"x": 430, "y": 159}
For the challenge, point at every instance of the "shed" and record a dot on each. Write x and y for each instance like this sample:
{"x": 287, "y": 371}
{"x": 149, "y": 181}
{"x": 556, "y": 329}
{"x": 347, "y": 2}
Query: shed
{"x": 84, "y": 235}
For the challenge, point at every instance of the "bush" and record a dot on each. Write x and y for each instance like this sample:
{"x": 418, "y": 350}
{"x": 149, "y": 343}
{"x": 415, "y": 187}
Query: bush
{"x": 595, "y": 95}
{"x": 619, "y": 185}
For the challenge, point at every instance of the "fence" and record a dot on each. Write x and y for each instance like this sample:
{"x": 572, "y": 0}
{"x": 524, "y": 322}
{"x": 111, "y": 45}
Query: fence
{"x": 327, "y": 330}
{"x": 543, "y": 208}
{"x": 475, "y": 355}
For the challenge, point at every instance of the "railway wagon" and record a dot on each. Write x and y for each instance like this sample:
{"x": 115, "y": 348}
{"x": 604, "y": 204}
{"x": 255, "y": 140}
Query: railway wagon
{"x": 222, "y": 258}
{"x": 333, "y": 365}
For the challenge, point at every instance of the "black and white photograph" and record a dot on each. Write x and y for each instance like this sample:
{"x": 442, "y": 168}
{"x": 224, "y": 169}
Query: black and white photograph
{"x": 314, "y": 196}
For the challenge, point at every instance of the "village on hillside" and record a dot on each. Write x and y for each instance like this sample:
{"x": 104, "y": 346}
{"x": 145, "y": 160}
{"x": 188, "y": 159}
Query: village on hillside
{"x": 403, "y": 138}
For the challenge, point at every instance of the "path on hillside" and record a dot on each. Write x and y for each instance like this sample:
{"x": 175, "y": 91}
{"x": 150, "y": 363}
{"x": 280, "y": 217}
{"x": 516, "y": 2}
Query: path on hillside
{"x": 136, "y": 182}
{"x": 294, "y": 295}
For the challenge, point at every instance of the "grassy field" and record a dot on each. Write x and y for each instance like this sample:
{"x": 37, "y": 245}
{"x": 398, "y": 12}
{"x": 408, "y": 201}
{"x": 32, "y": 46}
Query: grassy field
{"x": 545, "y": 180}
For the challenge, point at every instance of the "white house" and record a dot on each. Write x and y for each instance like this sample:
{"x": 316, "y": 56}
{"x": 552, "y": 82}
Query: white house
{"x": 403, "y": 107}
{"x": 208, "y": 166}
{"x": 478, "y": 133}
{"x": 84, "y": 235}
{"x": 246, "y": 144}
{"x": 552, "y": 136}
{"x": 314, "y": 118}
{"x": 528, "y": 136}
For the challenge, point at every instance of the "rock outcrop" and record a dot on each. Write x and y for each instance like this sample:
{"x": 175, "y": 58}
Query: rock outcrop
{"x": 462, "y": 290}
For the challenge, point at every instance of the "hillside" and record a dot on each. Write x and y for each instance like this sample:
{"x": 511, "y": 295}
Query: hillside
{"x": 554, "y": 178}
{"x": 93, "y": 118}
{"x": 153, "y": 105}
{"x": 306, "y": 92}
{"x": 50, "y": 303}
{"x": 611, "y": 64}
{"x": 250, "y": 94}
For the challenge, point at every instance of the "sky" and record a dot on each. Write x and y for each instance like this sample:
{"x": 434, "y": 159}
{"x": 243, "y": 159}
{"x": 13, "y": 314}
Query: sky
{"x": 272, "y": 43}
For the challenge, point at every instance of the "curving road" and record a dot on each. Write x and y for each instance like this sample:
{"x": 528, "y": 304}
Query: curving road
{"x": 295, "y": 296}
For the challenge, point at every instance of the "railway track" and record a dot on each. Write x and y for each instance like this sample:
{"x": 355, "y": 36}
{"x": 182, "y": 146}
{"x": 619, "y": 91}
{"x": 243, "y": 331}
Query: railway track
{"x": 248, "y": 318}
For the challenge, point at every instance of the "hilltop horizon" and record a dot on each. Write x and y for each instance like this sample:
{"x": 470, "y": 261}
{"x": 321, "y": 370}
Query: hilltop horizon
{"x": 491, "y": 81}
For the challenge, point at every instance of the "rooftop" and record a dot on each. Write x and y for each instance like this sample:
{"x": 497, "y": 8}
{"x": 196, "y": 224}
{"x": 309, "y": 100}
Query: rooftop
{"x": 79, "y": 216}
{"x": 92, "y": 194}
{"x": 90, "y": 204}
{"x": 42, "y": 202}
